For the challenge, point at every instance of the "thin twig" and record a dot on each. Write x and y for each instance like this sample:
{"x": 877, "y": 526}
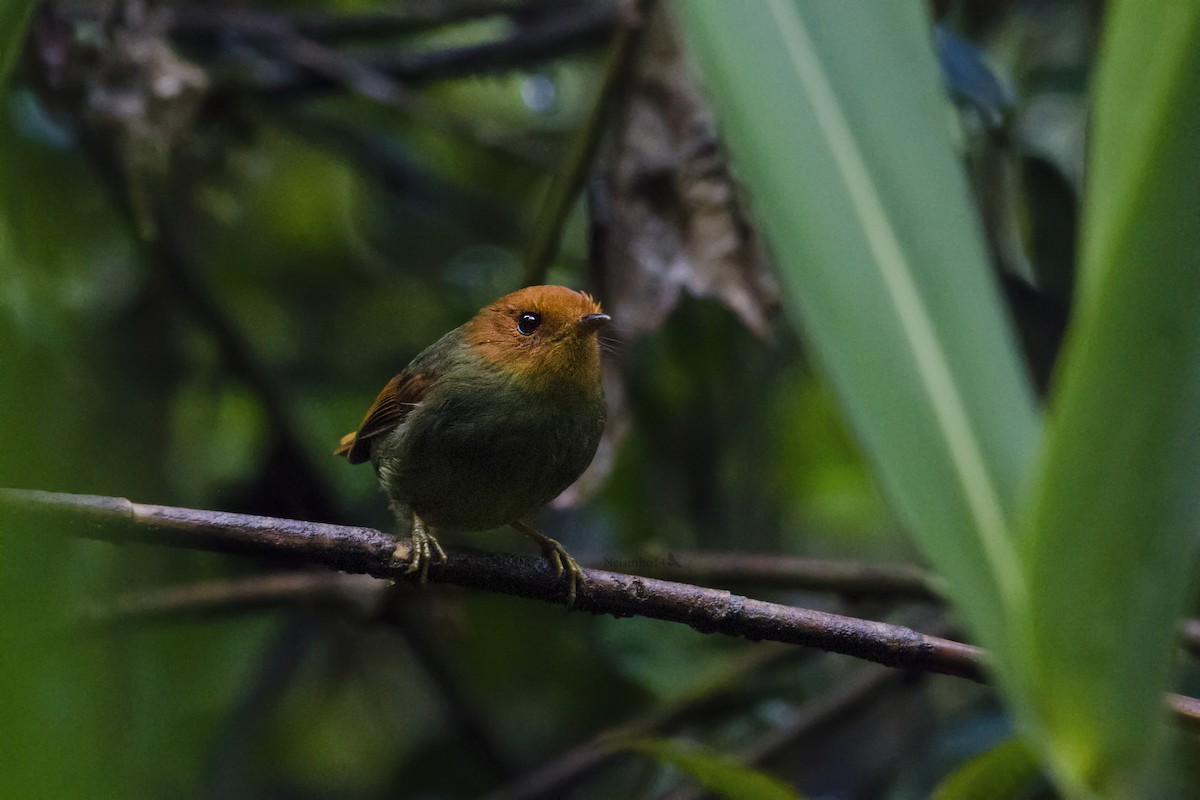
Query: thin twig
{"x": 473, "y": 725}
{"x": 361, "y": 594}
{"x": 847, "y": 578}
{"x": 572, "y": 29}
{"x": 555, "y": 777}
{"x": 575, "y": 28}
{"x": 366, "y": 81}
{"x": 229, "y": 765}
{"x": 238, "y": 595}
{"x": 412, "y": 17}
{"x": 1186, "y": 711}
{"x": 811, "y": 719}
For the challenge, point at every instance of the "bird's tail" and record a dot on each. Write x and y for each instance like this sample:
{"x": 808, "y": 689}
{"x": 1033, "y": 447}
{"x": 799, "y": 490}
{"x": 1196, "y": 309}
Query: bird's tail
{"x": 346, "y": 445}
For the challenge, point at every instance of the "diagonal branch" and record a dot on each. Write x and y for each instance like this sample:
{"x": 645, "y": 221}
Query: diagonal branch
{"x": 558, "y": 777}
{"x": 366, "y": 550}
{"x": 814, "y": 719}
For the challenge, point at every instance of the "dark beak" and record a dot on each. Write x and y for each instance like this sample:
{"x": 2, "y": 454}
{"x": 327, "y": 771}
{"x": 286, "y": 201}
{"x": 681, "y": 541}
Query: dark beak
{"x": 593, "y": 322}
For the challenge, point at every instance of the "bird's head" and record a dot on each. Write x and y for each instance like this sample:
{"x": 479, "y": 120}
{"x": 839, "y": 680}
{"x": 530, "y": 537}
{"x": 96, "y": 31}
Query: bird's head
{"x": 543, "y": 334}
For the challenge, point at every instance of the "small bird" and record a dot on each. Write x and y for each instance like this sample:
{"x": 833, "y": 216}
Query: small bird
{"x": 490, "y": 423}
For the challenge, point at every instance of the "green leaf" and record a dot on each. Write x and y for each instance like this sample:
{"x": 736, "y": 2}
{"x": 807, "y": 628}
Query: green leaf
{"x": 1111, "y": 536}
{"x": 840, "y": 129}
{"x": 1004, "y": 772}
{"x": 14, "y": 19}
{"x": 720, "y": 773}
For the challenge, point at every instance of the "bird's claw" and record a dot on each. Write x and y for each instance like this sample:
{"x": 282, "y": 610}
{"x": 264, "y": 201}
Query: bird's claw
{"x": 425, "y": 548}
{"x": 558, "y": 558}
{"x": 562, "y": 562}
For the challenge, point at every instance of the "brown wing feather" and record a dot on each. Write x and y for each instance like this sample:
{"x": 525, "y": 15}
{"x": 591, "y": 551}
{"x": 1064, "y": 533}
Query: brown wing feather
{"x": 393, "y": 404}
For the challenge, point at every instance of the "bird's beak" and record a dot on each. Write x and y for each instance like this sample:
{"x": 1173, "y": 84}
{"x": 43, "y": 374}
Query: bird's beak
{"x": 593, "y": 322}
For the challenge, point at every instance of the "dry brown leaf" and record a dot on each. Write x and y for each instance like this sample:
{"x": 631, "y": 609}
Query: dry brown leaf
{"x": 676, "y": 222}
{"x": 130, "y": 96}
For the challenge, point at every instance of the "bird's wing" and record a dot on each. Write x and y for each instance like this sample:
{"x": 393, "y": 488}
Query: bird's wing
{"x": 393, "y": 404}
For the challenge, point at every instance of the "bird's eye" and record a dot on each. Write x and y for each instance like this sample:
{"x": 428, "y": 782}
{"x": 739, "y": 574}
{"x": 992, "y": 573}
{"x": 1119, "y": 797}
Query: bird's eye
{"x": 528, "y": 322}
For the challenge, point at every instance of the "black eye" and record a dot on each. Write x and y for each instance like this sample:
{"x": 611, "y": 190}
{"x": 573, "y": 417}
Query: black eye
{"x": 528, "y": 322}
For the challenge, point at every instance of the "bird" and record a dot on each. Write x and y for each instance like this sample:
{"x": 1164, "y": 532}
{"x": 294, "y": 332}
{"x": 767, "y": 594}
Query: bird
{"x": 489, "y": 423}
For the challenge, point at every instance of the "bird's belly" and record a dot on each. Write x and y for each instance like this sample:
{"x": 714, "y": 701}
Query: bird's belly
{"x": 477, "y": 471}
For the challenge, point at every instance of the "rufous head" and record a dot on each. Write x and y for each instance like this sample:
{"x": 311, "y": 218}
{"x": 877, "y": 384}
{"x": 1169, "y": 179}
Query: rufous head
{"x": 546, "y": 334}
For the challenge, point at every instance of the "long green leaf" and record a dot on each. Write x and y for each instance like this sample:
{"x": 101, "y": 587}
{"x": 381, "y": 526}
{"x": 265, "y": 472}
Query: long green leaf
{"x": 1112, "y": 534}
{"x": 841, "y": 131}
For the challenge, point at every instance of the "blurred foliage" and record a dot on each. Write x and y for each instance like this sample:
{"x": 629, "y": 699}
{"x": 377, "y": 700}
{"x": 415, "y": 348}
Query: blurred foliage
{"x": 715, "y": 771}
{"x": 1120, "y": 533}
{"x": 1008, "y": 771}
{"x": 310, "y": 241}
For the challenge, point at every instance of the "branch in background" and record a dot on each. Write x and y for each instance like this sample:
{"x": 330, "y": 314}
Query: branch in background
{"x": 366, "y": 596}
{"x": 413, "y": 17}
{"x": 210, "y": 598}
{"x": 473, "y": 725}
{"x": 568, "y": 182}
{"x": 258, "y": 697}
{"x": 366, "y": 550}
{"x": 556, "y": 777}
{"x": 1186, "y": 711}
{"x": 573, "y": 28}
{"x": 172, "y": 255}
{"x": 364, "y": 80}
{"x": 846, "y": 578}
{"x": 819, "y": 714}
{"x": 811, "y": 719}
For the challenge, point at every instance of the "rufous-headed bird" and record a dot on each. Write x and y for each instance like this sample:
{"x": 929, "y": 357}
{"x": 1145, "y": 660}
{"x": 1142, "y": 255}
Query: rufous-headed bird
{"x": 490, "y": 422}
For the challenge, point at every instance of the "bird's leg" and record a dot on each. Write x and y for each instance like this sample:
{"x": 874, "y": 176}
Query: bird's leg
{"x": 558, "y": 558}
{"x": 425, "y": 548}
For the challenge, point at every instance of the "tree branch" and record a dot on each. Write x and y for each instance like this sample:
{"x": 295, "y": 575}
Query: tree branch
{"x": 366, "y": 550}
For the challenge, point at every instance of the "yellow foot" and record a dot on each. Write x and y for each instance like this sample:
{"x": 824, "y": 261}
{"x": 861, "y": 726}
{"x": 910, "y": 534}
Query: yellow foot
{"x": 425, "y": 548}
{"x": 557, "y": 557}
